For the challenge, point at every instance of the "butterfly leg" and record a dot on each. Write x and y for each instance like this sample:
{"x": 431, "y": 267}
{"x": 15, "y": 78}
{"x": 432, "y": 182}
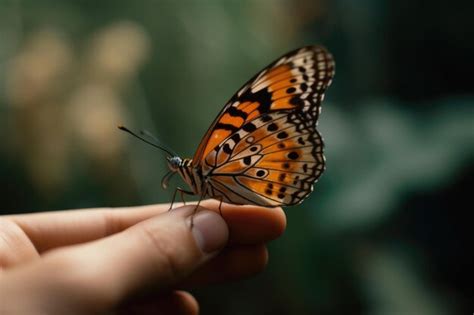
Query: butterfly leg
{"x": 221, "y": 200}
{"x": 182, "y": 193}
{"x": 203, "y": 194}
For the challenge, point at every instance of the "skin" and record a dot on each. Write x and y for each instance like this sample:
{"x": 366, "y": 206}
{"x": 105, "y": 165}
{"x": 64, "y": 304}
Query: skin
{"x": 135, "y": 260}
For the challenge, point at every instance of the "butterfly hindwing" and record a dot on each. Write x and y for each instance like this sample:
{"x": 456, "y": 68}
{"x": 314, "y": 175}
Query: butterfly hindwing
{"x": 295, "y": 81}
{"x": 276, "y": 164}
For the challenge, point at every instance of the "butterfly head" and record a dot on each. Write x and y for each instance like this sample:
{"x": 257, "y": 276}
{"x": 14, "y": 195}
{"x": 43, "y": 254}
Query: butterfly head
{"x": 174, "y": 162}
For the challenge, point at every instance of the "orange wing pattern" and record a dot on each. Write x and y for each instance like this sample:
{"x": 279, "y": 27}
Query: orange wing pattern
{"x": 276, "y": 164}
{"x": 264, "y": 148}
{"x": 295, "y": 81}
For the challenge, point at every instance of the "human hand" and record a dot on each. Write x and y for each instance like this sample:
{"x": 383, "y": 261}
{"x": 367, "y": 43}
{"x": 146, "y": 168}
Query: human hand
{"x": 134, "y": 259}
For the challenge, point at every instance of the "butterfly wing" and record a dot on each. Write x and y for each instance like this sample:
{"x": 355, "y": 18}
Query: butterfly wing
{"x": 264, "y": 148}
{"x": 296, "y": 80}
{"x": 276, "y": 164}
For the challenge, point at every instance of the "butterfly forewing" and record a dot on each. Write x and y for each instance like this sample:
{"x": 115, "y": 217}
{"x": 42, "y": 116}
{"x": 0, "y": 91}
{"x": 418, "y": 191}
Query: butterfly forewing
{"x": 263, "y": 148}
{"x": 296, "y": 80}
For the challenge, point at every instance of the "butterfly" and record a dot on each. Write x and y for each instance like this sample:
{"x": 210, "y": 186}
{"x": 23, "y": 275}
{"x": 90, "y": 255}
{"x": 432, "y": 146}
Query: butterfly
{"x": 263, "y": 148}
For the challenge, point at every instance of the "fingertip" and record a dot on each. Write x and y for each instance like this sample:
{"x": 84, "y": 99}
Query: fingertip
{"x": 280, "y": 222}
{"x": 189, "y": 302}
{"x": 177, "y": 303}
{"x": 249, "y": 224}
{"x": 253, "y": 224}
{"x": 173, "y": 302}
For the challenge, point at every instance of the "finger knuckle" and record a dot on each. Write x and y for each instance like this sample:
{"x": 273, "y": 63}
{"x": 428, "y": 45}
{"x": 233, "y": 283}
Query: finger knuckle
{"x": 111, "y": 222}
{"x": 15, "y": 246}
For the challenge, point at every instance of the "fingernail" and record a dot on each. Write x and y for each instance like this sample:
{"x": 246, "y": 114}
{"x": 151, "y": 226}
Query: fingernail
{"x": 210, "y": 231}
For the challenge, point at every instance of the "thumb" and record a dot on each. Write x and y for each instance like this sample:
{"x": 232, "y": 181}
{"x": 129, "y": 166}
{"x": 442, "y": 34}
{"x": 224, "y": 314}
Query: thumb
{"x": 159, "y": 251}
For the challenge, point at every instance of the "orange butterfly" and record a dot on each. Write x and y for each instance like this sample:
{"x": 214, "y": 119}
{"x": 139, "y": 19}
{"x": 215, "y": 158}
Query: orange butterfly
{"x": 263, "y": 148}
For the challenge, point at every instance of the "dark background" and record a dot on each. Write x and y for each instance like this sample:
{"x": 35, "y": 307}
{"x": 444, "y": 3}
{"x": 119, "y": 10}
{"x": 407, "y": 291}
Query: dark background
{"x": 386, "y": 230}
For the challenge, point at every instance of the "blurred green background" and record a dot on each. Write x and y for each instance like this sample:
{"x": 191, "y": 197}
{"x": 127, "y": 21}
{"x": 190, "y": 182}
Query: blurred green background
{"x": 386, "y": 230}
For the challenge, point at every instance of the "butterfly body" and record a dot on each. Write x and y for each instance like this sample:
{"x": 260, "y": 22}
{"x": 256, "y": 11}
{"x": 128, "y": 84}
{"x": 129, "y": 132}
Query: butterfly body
{"x": 263, "y": 148}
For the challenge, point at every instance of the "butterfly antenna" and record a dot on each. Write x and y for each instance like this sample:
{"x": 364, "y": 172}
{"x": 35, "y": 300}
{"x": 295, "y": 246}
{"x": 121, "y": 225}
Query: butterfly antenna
{"x": 149, "y": 135}
{"x": 146, "y": 141}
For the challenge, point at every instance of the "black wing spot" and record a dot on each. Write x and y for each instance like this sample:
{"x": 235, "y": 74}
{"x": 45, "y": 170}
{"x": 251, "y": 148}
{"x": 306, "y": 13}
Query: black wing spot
{"x": 293, "y": 155}
{"x": 266, "y": 118}
{"x": 227, "y": 149}
{"x": 282, "y": 135}
{"x": 263, "y": 97}
{"x": 290, "y": 90}
{"x": 247, "y": 160}
{"x": 305, "y": 167}
{"x": 303, "y": 87}
{"x": 286, "y": 165}
{"x": 281, "y": 145}
{"x": 235, "y": 137}
{"x": 253, "y": 149}
{"x": 230, "y": 127}
{"x": 296, "y": 180}
{"x": 281, "y": 196}
{"x": 301, "y": 141}
{"x": 282, "y": 177}
{"x": 268, "y": 192}
{"x": 235, "y": 112}
{"x": 294, "y": 196}
{"x": 272, "y": 127}
{"x": 249, "y": 127}
{"x": 260, "y": 173}
{"x": 297, "y": 101}
{"x": 293, "y": 80}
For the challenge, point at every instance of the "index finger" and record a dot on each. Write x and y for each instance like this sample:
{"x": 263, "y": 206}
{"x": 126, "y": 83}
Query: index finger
{"x": 47, "y": 230}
